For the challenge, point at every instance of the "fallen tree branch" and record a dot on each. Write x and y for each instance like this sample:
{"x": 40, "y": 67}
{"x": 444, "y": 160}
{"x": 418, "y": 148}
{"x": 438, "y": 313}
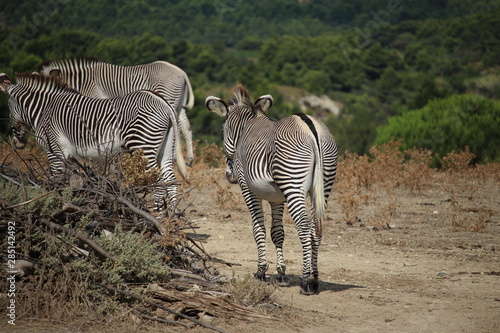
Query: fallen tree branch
{"x": 159, "y": 306}
{"x": 208, "y": 302}
{"x": 208, "y": 257}
{"x": 27, "y": 202}
{"x": 10, "y": 179}
{"x": 161, "y": 228}
{"x": 161, "y": 320}
{"x": 96, "y": 247}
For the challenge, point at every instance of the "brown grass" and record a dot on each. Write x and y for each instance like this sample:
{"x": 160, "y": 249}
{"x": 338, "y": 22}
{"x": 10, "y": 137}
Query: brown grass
{"x": 31, "y": 160}
{"x": 134, "y": 169}
{"x": 373, "y": 178}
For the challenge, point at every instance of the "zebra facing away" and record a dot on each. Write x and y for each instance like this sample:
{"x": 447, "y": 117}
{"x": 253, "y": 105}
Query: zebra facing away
{"x": 68, "y": 125}
{"x": 99, "y": 79}
{"x": 279, "y": 161}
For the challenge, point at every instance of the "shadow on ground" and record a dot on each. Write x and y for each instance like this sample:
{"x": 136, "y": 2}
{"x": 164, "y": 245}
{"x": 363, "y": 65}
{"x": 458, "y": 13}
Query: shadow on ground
{"x": 323, "y": 285}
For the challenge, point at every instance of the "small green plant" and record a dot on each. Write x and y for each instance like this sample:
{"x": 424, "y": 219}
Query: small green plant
{"x": 137, "y": 258}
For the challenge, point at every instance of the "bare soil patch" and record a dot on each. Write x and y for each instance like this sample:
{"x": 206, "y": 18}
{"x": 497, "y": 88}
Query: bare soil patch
{"x": 417, "y": 274}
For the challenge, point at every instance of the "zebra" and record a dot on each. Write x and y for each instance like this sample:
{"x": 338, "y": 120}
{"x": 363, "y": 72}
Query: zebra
{"x": 279, "y": 161}
{"x": 69, "y": 125}
{"x": 99, "y": 79}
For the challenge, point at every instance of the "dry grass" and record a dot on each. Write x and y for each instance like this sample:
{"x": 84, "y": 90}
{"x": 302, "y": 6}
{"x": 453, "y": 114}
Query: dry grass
{"x": 250, "y": 292}
{"x": 208, "y": 171}
{"x": 373, "y": 178}
{"x": 134, "y": 169}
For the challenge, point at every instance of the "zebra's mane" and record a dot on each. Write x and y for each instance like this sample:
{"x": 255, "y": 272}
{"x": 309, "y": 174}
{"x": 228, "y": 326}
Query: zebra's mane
{"x": 65, "y": 63}
{"x": 241, "y": 97}
{"x": 42, "y": 83}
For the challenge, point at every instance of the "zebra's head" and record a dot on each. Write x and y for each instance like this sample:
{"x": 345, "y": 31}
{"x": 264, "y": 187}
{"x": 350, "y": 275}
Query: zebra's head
{"x": 20, "y": 131}
{"x": 19, "y": 128}
{"x": 236, "y": 113}
{"x": 5, "y": 82}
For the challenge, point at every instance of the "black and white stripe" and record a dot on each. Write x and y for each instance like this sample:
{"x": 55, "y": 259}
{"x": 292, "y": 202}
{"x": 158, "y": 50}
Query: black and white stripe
{"x": 279, "y": 161}
{"x": 69, "y": 125}
{"x": 99, "y": 79}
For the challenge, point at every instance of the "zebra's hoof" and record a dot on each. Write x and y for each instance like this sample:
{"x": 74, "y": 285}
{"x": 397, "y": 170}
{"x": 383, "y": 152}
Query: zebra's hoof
{"x": 260, "y": 276}
{"x": 309, "y": 286}
{"x": 282, "y": 280}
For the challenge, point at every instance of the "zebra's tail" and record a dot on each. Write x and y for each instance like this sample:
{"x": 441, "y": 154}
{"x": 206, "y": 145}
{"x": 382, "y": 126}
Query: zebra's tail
{"x": 190, "y": 102}
{"x": 318, "y": 195}
{"x": 179, "y": 158}
{"x": 318, "y": 199}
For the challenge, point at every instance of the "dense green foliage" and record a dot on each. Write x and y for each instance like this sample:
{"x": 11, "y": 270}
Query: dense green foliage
{"x": 227, "y": 21}
{"x": 378, "y": 58}
{"x": 449, "y": 124}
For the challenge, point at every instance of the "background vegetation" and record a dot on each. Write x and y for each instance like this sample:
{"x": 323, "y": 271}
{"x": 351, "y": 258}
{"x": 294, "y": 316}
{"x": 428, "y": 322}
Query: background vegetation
{"x": 380, "y": 59}
{"x": 426, "y": 73}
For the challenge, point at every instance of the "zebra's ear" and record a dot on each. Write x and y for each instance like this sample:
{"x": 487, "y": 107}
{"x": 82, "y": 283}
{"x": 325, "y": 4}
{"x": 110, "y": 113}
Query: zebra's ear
{"x": 216, "y": 105}
{"x": 264, "y": 102}
{"x": 5, "y": 82}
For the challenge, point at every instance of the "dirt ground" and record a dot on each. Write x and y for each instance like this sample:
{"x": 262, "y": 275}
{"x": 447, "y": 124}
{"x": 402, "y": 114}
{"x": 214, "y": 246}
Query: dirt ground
{"x": 414, "y": 272}
{"x": 417, "y": 275}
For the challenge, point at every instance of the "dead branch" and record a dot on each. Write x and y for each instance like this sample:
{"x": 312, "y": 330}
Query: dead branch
{"x": 159, "y": 306}
{"x": 10, "y": 179}
{"x": 208, "y": 257}
{"x": 96, "y": 247}
{"x": 186, "y": 274}
{"x": 161, "y": 320}
{"x": 207, "y": 302}
{"x": 161, "y": 228}
{"x": 27, "y": 202}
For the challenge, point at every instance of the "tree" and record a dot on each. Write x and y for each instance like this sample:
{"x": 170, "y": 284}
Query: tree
{"x": 447, "y": 125}
{"x": 149, "y": 48}
{"x": 315, "y": 81}
{"x": 25, "y": 62}
{"x": 113, "y": 50}
{"x": 426, "y": 91}
{"x": 389, "y": 85}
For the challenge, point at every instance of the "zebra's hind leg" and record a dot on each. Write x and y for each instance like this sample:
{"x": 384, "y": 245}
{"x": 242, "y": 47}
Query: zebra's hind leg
{"x": 254, "y": 204}
{"x": 186, "y": 131}
{"x": 310, "y": 283}
{"x": 310, "y": 280}
{"x": 316, "y": 242}
{"x": 278, "y": 236}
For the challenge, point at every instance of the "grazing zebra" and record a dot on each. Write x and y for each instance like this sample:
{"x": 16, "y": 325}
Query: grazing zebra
{"x": 99, "y": 79}
{"x": 69, "y": 125}
{"x": 279, "y": 161}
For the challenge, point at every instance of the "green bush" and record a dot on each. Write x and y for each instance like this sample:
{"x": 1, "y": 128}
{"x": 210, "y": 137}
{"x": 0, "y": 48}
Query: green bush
{"x": 137, "y": 258}
{"x": 447, "y": 125}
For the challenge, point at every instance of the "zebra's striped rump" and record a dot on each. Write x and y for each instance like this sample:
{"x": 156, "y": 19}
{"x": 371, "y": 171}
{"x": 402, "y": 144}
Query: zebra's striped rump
{"x": 279, "y": 161}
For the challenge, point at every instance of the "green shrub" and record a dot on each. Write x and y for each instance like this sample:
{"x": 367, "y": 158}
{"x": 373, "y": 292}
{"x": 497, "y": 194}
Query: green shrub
{"x": 447, "y": 125}
{"x": 137, "y": 258}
